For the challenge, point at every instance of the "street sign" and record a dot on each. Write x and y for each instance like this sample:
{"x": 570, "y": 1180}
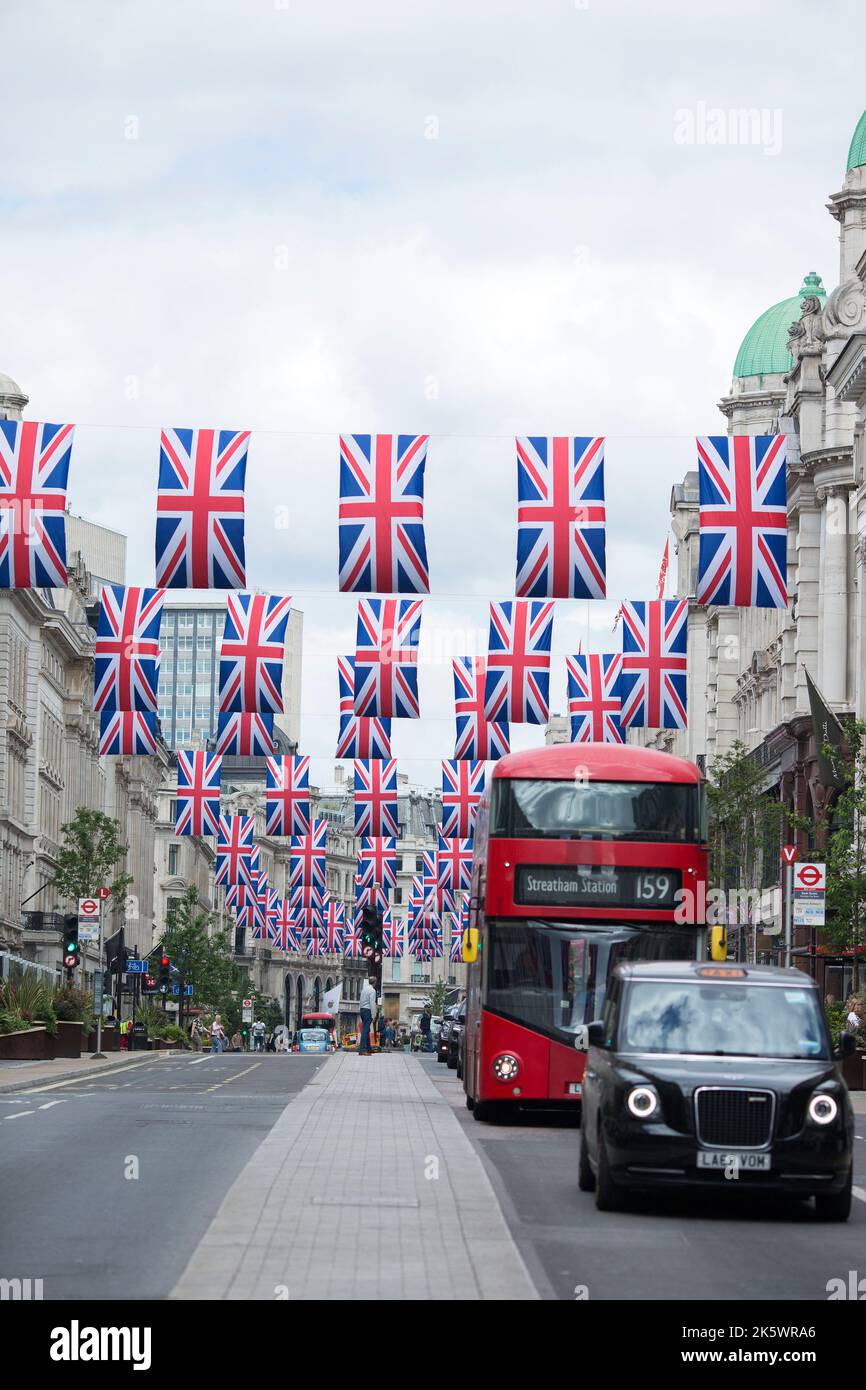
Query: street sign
{"x": 175, "y": 989}
{"x": 810, "y": 876}
{"x": 247, "y": 1012}
{"x": 97, "y": 992}
{"x": 88, "y": 919}
{"x": 789, "y": 854}
{"x": 136, "y": 967}
{"x": 103, "y": 892}
{"x": 247, "y": 1004}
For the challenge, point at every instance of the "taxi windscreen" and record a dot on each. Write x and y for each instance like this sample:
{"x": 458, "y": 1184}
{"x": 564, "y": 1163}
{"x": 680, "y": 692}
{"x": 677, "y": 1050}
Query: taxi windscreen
{"x": 720, "y": 1020}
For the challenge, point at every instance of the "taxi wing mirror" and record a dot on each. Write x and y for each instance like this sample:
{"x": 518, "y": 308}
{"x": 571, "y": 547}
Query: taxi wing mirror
{"x": 718, "y": 943}
{"x": 469, "y": 947}
{"x": 587, "y": 1035}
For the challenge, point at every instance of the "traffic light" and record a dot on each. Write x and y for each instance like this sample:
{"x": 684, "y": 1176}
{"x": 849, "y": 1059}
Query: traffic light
{"x": 164, "y": 974}
{"x": 71, "y": 944}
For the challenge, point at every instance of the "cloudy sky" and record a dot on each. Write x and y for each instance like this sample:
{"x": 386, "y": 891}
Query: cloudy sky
{"x": 465, "y": 218}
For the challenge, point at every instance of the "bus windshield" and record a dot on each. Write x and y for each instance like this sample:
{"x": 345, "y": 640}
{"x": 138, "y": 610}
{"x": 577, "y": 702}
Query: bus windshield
{"x": 663, "y": 811}
{"x": 553, "y": 977}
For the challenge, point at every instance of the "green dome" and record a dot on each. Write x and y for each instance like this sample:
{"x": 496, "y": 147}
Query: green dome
{"x": 764, "y": 350}
{"x": 857, "y": 152}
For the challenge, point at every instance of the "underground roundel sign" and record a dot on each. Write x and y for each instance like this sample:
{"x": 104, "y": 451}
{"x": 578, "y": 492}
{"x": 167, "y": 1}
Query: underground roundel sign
{"x": 811, "y": 877}
{"x": 88, "y": 910}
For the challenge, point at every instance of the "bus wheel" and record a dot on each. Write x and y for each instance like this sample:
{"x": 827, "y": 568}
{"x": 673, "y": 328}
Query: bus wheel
{"x": 608, "y": 1197}
{"x": 585, "y": 1175}
{"x": 470, "y": 1101}
{"x": 485, "y": 1110}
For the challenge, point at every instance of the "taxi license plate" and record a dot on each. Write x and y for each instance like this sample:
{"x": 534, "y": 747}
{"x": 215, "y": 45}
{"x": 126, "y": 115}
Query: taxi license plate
{"x": 741, "y": 1162}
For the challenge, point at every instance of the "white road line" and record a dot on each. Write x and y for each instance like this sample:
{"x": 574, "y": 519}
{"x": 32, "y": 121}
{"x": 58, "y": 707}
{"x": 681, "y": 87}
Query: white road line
{"x": 48, "y": 1104}
{"x": 19, "y": 1113}
{"x": 199, "y": 1059}
{"x": 859, "y": 1193}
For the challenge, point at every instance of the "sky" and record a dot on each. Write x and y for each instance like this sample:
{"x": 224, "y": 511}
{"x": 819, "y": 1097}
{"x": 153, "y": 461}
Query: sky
{"x": 469, "y": 219}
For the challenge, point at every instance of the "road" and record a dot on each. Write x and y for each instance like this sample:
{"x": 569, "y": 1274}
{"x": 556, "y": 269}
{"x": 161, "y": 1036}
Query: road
{"x": 667, "y": 1246}
{"x": 108, "y": 1185}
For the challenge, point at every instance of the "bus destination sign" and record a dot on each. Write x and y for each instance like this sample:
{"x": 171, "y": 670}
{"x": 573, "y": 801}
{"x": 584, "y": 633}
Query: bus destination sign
{"x": 595, "y": 885}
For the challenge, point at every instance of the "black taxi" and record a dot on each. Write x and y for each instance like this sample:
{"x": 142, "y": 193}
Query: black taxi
{"x": 720, "y": 1076}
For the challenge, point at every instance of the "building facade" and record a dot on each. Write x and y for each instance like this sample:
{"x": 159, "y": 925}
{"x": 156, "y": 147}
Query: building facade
{"x": 801, "y": 371}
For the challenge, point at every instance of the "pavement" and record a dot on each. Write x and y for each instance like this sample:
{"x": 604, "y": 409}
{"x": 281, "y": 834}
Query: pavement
{"x": 19, "y": 1076}
{"x": 365, "y": 1188}
{"x": 300, "y": 1177}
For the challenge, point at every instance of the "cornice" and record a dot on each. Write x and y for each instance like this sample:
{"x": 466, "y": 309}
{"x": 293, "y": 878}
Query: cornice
{"x": 847, "y": 376}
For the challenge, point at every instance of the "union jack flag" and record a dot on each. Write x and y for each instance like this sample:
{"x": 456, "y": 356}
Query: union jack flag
{"x": 386, "y": 658}
{"x": 456, "y": 951}
{"x": 743, "y": 518}
{"x": 377, "y": 859}
{"x": 250, "y": 869}
{"x": 126, "y": 668}
{"x": 245, "y": 735}
{"x": 358, "y": 738}
{"x": 476, "y": 738}
{"x": 594, "y": 698}
{"x": 334, "y": 925}
{"x": 252, "y": 655}
{"x": 425, "y": 937}
{"x": 234, "y": 844}
{"x": 200, "y": 509}
{"x": 198, "y": 794}
{"x": 282, "y": 927}
{"x": 382, "y": 548}
{"x": 434, "y": 895}
{"x": 307, "y": 905}
{"x": 518, "y": 661}
{"x": 307, "y": 857}
{"x": 368, "y": 893}
{"x": 560, "y": 517}
{"x": 287, "y": 796}
{"x": 462, "y": 789}
{"x": 261, "y": 900}
{"x": 353, "y": 940}
{"x": 392, "y": 934}
{"x": 653, "y": 680}
{"x": 314, "y": 939}
{"x": 454, "y": 860}
{"x": 376, "y": 809}
{"x": 34, "y": 471}
{"x": 237, "y": 895}
{"x": 126, "y": 732}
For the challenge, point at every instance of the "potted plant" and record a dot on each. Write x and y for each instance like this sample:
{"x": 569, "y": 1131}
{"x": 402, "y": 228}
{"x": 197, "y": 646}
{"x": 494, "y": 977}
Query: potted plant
{"x": 27, "y": 1019}
{"x": 74, "y": 1010}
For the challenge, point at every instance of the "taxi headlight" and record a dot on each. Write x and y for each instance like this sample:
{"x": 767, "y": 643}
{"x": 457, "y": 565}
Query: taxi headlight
{"x": 822, "y": 1109}
{"x": 505, "y": 1067}
{"x": 642, "y": 1101}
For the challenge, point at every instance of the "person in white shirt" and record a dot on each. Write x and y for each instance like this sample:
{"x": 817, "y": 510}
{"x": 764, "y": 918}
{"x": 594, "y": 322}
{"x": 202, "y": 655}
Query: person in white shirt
{"x": 854, "y": 1018}
{"x": 367, "y": 1004}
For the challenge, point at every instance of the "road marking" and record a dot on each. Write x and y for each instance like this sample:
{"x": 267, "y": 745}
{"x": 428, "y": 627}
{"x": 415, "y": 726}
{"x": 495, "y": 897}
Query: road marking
{"x": 859, "y": 1193}
{"x": 77, "y": 1080}
{"x": 19, "y": 1113}
{"x": 234, "y": 1077}
{"x": 48, "y": 1104}
{"x": 200, "y": 1059}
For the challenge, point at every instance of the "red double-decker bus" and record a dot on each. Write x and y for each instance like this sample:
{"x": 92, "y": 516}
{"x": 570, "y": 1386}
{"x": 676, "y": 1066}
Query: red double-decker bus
{"x": 582, "y": 855}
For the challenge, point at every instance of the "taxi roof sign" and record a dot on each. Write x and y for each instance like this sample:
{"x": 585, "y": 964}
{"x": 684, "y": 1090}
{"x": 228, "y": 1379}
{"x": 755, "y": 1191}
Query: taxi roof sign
{"x": 723, "y": 972}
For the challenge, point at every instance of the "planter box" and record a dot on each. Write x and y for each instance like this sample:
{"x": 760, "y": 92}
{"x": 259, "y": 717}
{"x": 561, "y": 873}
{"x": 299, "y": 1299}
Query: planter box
{"x": 854, "y": 1071}
{"x": 69, "y": 1039}
{"x": 30, "y": 1045}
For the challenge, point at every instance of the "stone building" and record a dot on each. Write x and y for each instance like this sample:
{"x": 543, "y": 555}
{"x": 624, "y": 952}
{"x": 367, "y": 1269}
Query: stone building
{"x": 800, "y": 370}
{"x": 49, "y": 738}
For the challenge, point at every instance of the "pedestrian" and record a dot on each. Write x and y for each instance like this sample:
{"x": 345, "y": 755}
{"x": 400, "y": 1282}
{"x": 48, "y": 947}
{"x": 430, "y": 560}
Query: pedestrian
{"x": 218, "y": 1039}
{"x": 855, "y": 1017}
{"x": 272, "y": 1042}
{"x": 195, "y": 1035}
{"x": 367, "y": 1004}
{"x": 258, "y": 1036}
{"x": 237, "y": 1042}
{"x": 424, "y": 1025}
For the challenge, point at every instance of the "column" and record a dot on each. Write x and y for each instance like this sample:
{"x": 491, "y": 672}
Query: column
{"x": 834, "y": 596}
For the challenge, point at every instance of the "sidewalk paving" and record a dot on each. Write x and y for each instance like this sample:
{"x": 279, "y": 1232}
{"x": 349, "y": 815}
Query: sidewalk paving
{"x": 365, "y": 1188}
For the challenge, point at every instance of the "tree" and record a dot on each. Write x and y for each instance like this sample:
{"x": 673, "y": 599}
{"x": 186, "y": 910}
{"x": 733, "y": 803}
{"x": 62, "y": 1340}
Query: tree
{"x": 846, "y": 855}
{"x": 203, "y": 958}
{"x": 88, "y": 856}
{"x": 438, "y": 995}
{"x": 745, "y": 823}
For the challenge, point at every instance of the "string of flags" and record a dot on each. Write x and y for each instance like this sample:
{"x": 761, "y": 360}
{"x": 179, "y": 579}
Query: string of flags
{"x": 560, "y": 553}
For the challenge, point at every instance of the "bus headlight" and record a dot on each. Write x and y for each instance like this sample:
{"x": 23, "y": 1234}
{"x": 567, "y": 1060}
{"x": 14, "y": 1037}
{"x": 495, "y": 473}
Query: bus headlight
{"x": 642, "y": 1101}
{"x": 822, "y": 1109}
{"x": 505, "y": 1066}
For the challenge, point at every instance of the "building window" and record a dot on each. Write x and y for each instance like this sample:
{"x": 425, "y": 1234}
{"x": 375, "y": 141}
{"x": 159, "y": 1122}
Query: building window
{"x": 173, "y": 851}
{"x": 396, "y": 969}
{"x": 397, "y": 895}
